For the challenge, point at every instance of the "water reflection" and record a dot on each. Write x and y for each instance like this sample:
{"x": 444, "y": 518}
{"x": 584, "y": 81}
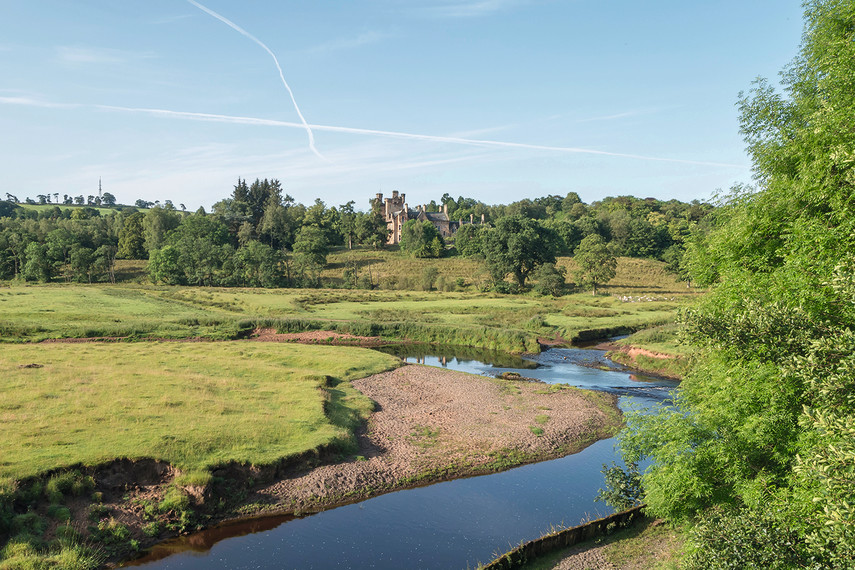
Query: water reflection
{"x": 580, "y": 367}
{"x": 456, "y": 356}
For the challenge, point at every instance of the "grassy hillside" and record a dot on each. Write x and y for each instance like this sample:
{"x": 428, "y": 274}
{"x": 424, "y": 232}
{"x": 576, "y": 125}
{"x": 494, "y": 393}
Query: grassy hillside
{"x": 391, "y": 269}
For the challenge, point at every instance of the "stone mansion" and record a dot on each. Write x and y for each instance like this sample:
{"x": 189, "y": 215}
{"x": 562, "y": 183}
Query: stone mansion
{"x": 397, "y": 213}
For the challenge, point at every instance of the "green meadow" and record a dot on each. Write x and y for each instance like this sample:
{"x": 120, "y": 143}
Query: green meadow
{"x": 642, "y": 295}
{"x": 195, "y": 405}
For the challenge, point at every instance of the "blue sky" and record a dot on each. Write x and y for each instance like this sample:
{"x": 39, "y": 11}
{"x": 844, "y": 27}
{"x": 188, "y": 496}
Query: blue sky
{"x": 492, "y": 99}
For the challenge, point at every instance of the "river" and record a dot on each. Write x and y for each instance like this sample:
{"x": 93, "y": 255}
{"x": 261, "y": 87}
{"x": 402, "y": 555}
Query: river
{"x": 455, "y": 524}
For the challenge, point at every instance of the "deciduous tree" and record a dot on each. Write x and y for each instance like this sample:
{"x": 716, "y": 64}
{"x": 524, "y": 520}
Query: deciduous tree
{"x": 595, "y": 262}
{"x": 421, "y": 239}
{"x": 517, "y": 246}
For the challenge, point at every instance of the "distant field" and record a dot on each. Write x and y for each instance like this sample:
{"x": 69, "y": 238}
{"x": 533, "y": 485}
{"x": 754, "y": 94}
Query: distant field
{"x": 37, "y": 312}
{"x": 101, "y": 209}
{"x": 641, "y": 296}
{"x": 192, "y": 404}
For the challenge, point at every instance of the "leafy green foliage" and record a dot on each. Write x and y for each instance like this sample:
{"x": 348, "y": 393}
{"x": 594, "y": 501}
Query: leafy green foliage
{"x": 551, "y": 280}
{"x": 595, "y": 261}
{"x": 467, "y": 240}
{"x": 310, "y": 252}
{"x": 421, "y": 239}
{"x": 727, "y": 538}
{"x": 623, "y": 486}
{"x": 518, "y": 246}
{"x": 164, "y": 266}
{"x": 429, "y": 275}
{"x": 759, "y": 445}
{"x": 825, "y": 467}
{"x": 132, "y": 237}
{"x": 157, "y": 224}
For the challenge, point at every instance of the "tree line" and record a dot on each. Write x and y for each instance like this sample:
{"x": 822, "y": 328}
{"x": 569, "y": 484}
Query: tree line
{"x": 259, "y": 236}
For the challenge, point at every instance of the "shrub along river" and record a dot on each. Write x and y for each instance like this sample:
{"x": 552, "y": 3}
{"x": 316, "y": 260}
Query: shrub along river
{"x": 455, "y": 524}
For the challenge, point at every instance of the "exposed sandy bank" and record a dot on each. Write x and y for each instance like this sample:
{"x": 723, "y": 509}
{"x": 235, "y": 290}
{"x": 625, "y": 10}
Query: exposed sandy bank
{"x": 433, "y": 424}
{"x": 316, "y": 337}
{"x": 646, "y": 361}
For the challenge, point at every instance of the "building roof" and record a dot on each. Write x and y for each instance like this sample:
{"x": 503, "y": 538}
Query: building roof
{"x": 434, "y": 216}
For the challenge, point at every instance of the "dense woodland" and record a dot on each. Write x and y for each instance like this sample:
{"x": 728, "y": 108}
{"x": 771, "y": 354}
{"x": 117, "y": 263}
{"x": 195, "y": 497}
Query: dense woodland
{"x": 262, "y": 237}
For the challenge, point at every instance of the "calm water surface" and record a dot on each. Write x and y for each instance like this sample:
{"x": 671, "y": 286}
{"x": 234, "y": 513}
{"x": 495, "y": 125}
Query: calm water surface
{"x": 450, "y": 525}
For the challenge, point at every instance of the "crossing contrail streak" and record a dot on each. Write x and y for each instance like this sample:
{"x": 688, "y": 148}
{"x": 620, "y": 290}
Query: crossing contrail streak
{"x": 400, "y": 135}
{"x": 237, "y": 120}
{"x": 240, "y": 30}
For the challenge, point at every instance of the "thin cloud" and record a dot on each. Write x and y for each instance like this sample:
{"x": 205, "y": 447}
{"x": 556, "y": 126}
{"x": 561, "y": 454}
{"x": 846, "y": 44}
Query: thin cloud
{"x": 469, "y": 9}
{"x": 231, "y": 119}
{"x": 411, "y": 136}
{"x": 170, "y": 19}
{"x": 345, "y": 44}
{"x": 614, "y": 117}
{"x": 479, "y": 132}
{"x": 30, "y": 102}
{"x": 77, "y": 55}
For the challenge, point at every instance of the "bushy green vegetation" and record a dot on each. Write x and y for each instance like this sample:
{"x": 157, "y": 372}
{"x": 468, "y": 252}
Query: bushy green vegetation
{"x": 758, "y": 450}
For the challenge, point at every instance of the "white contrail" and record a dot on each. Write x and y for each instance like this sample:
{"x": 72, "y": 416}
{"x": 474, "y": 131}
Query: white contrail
{"x": 401, "y": 135}
{"x": 231, "y": 119}
{"x": 237, "y": 28}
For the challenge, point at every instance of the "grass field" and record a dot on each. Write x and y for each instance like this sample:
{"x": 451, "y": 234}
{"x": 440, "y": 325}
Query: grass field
{"x": 192, "y": 404}
{"x": 642, "y": 295}
{"x": 102, "y": 210}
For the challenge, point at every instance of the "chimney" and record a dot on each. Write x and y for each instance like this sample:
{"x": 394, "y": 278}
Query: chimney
{"x": 445, "y": 208}
{"x": 424, "y": 208}
{"x": 394, "y": 193}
